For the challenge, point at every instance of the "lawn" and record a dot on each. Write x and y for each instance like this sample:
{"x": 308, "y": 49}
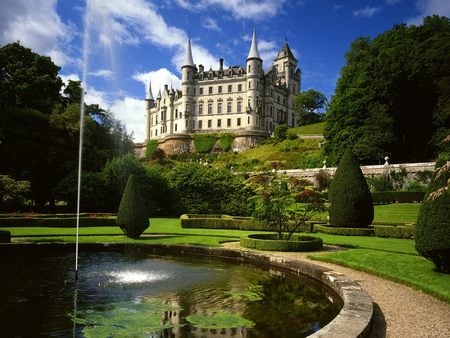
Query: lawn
{"x": 309, "y": 129}
{"x": 394, "y": 259}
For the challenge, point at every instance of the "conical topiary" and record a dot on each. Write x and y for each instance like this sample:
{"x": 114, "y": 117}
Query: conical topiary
{"x": 349, "y": 195}
{"x": 432, "y": 233}
{"x": 132, "y": 217}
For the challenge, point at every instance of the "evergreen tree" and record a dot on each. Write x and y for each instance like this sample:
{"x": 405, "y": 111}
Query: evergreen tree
{"x": 132, "y": 217}
{"x": 349, "y": 194}
{"x": 433, "y": 226}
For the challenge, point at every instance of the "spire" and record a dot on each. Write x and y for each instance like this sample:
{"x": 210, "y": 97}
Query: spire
{"x": 254, "y": 53}
{"x": 149, "y": 92}
{"x": 188, "y": 61}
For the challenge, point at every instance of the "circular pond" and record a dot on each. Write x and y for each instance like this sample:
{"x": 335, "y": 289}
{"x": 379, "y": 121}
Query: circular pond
{"x": 139, "y": 295}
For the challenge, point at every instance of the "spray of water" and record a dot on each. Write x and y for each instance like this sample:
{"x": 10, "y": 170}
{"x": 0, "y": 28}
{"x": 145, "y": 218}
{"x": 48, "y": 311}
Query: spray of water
{"x": 87, "y": 22}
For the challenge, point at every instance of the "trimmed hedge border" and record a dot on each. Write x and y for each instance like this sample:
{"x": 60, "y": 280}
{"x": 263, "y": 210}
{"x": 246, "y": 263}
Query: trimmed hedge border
{"x": 221, "y": 222}
{"x": 344, "y": 231}
{"x": 270, "y": 242}
{"x": 389, "y": 197}
{"x": 5, "y": 236}
{"x": 395, "y": 231}
{"x": 57, "y": 222}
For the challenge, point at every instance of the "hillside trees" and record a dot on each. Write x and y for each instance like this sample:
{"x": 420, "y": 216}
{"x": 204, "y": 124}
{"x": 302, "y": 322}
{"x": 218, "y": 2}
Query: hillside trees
{"x": 39, "y": 126}
{"x": 393, "y": 95}
{"x": 308, "y": 106}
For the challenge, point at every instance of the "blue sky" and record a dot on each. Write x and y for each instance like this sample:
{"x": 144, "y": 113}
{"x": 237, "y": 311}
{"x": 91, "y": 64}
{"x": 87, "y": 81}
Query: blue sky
{"x": 131, "y": 41}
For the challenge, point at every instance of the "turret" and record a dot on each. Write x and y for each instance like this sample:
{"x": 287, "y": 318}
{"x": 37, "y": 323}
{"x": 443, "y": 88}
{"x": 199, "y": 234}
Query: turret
{"x": 254, "y": 71}
{"x": 149, "y": 97}
{"x": 188, "y": 70}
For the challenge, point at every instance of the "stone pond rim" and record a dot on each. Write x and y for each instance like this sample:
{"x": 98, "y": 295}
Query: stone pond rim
{"x": 354, "y": 319}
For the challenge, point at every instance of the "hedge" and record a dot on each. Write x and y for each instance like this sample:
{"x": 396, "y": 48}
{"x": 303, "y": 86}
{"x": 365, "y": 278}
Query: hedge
{"x": 5, "y": 236}
{"x": 204, "y": 143}
{"x": 62, "y": 222}
{"x": 270, "y": 242}
{"x": 221, "y": 222}
{"x": 387, "y": 197}
{"x": 343, "y": 231}
{"x": 394, "y": 231}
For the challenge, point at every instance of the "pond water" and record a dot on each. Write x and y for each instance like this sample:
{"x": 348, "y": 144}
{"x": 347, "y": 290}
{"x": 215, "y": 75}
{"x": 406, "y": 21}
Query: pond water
{"x": 138, "y": 295}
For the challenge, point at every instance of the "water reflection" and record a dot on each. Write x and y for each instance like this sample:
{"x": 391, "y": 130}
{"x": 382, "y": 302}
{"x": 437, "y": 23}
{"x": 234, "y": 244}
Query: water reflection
{"x": 126, "y": 295}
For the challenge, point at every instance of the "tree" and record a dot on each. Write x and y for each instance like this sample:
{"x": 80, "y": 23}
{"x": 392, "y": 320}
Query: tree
{"x": 349, "y": 195}
{"x": 308, "y": 106}
{"x": 13, "y": 194}
{"x": 132, "y": 216}
{"x": 392, "y": 96}
{"x": 275, "y": 202}
{"x": 432, "y": 233}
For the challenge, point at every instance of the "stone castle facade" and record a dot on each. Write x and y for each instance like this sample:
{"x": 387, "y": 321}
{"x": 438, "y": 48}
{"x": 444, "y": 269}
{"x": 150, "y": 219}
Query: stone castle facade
{"x": 244, "y": 100}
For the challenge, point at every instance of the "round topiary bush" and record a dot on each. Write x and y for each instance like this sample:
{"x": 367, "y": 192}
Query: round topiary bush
{"x": 349, "y": 195}
{"x": 270, "y": 242}
{"x": 132, "y": 216}
{"x": 433, "y": 227}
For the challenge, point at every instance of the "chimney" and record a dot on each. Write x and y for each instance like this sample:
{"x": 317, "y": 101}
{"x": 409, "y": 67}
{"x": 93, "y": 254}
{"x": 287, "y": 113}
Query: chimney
{"x": 221, "y": 64}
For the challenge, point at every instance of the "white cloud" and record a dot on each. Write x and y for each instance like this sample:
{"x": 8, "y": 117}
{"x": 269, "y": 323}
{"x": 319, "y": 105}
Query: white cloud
{"x": 105, "y": 73}
{"x": 337, "y": 7}
{"x": 159, "y": 78}
{"x": 430, "y": 7}
{"x": 366, "y": 12}
{"x": 211, "y": 24}
{"x": 241, "y": 9}
{"x": 36, "y": 24}
{"x": 268, "y": 51}
{"x": 131, "y": 112}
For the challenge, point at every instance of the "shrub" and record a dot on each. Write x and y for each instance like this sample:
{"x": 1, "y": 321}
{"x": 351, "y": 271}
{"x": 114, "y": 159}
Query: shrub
{"x": 204, "y": 143}
{"x": 292, "y": 135}
{"x": 60, "y": 222}
{"x": 152, "y": 145}
{"x": 343, "y": 231}
{"x": 349, "y": 195}
{"x": 5, "y": 236}
{"x": 132, "y": 217}
{"x": 13, "y": 194}
{"x": 394, "y": 231}
{"x": 323, "y": 180}
{"x": 280, "y": 132}
{"x": 270, "y": 242}
{"x": 387, "y": 197}
{"x": 433, "y": 226}
{"x": 158, "y": 154}
{"x": 221, "y": 222}
{"x": 226, "y": 140}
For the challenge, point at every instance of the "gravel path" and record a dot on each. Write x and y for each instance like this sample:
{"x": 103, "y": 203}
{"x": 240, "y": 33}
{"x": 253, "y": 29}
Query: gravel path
{"x": 399, "y": 311}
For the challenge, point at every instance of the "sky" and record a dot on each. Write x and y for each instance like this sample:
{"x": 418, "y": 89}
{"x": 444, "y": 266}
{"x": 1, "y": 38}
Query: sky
{"x": 121, "y": 44}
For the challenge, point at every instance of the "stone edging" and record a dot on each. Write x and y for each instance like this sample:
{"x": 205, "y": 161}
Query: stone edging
{"x": 354, "y": 319}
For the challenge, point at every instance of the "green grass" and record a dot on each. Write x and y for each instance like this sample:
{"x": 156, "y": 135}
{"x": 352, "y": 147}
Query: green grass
{"x": 310, "y": 129}
{"x": 397, "y": 213}
{"x": 411, "y": 270}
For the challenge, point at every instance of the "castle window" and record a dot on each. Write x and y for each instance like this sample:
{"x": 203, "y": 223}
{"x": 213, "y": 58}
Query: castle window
{"x": 199, "y": 124}
{"x": 201, "y": 90}
{"x": 200, "y": 108}
{"x": 239, "y": 87}
{"x": 249, "y": 85}
{"x": 230, "y": 88}
{"x": 238, "y": 121}
{"x": 219, "y": 108}
{"x": 228, "y": 122}
{"x": 176, "y": 127}
{"x": 219, "y": 123}
{"x": 248, "y": 120}
{"x": 209, "y": 108}
{"x": 194, "y": 91}
{"x": 239, "y": 106}
{"x": 210, "y": 90}
{"x": 219, "y": 89}
{"x": 176, "y": 113}
{"x": 294, "y": 88}
{"x": 209, "y": 123}
{"x": 156, "y": 132}
{"x": 249, "y": 68}
{"x": 229, "y": 103}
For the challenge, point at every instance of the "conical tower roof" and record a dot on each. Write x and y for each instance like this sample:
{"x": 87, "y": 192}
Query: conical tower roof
{"x": 188, "y": 60}
{"x": 254, "y": 53}
{"x": 285, "y": 52}
{"x": 149, "y": 92}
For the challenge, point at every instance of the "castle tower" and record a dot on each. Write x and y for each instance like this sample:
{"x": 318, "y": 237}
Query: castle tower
{"x": 287, "y": 69}
{"x": 254, "y": 72}
{"x": 150, "y": 103}
{"x": 188, "y": 70}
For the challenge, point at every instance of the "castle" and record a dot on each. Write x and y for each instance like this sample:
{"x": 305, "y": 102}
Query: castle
{"x": 246, "y": 101}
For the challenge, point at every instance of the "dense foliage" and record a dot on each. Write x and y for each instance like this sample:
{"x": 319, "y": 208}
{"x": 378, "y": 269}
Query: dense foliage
{"x": 39, "y": 125}
{"x": 132, "y": 216}
{"x": 309, "y": 106}
{"x": 202, "y": 189}
{"x": 393, "y": 96}
{"x": 433, "y": 226}
{"x": 349, "y": 195}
